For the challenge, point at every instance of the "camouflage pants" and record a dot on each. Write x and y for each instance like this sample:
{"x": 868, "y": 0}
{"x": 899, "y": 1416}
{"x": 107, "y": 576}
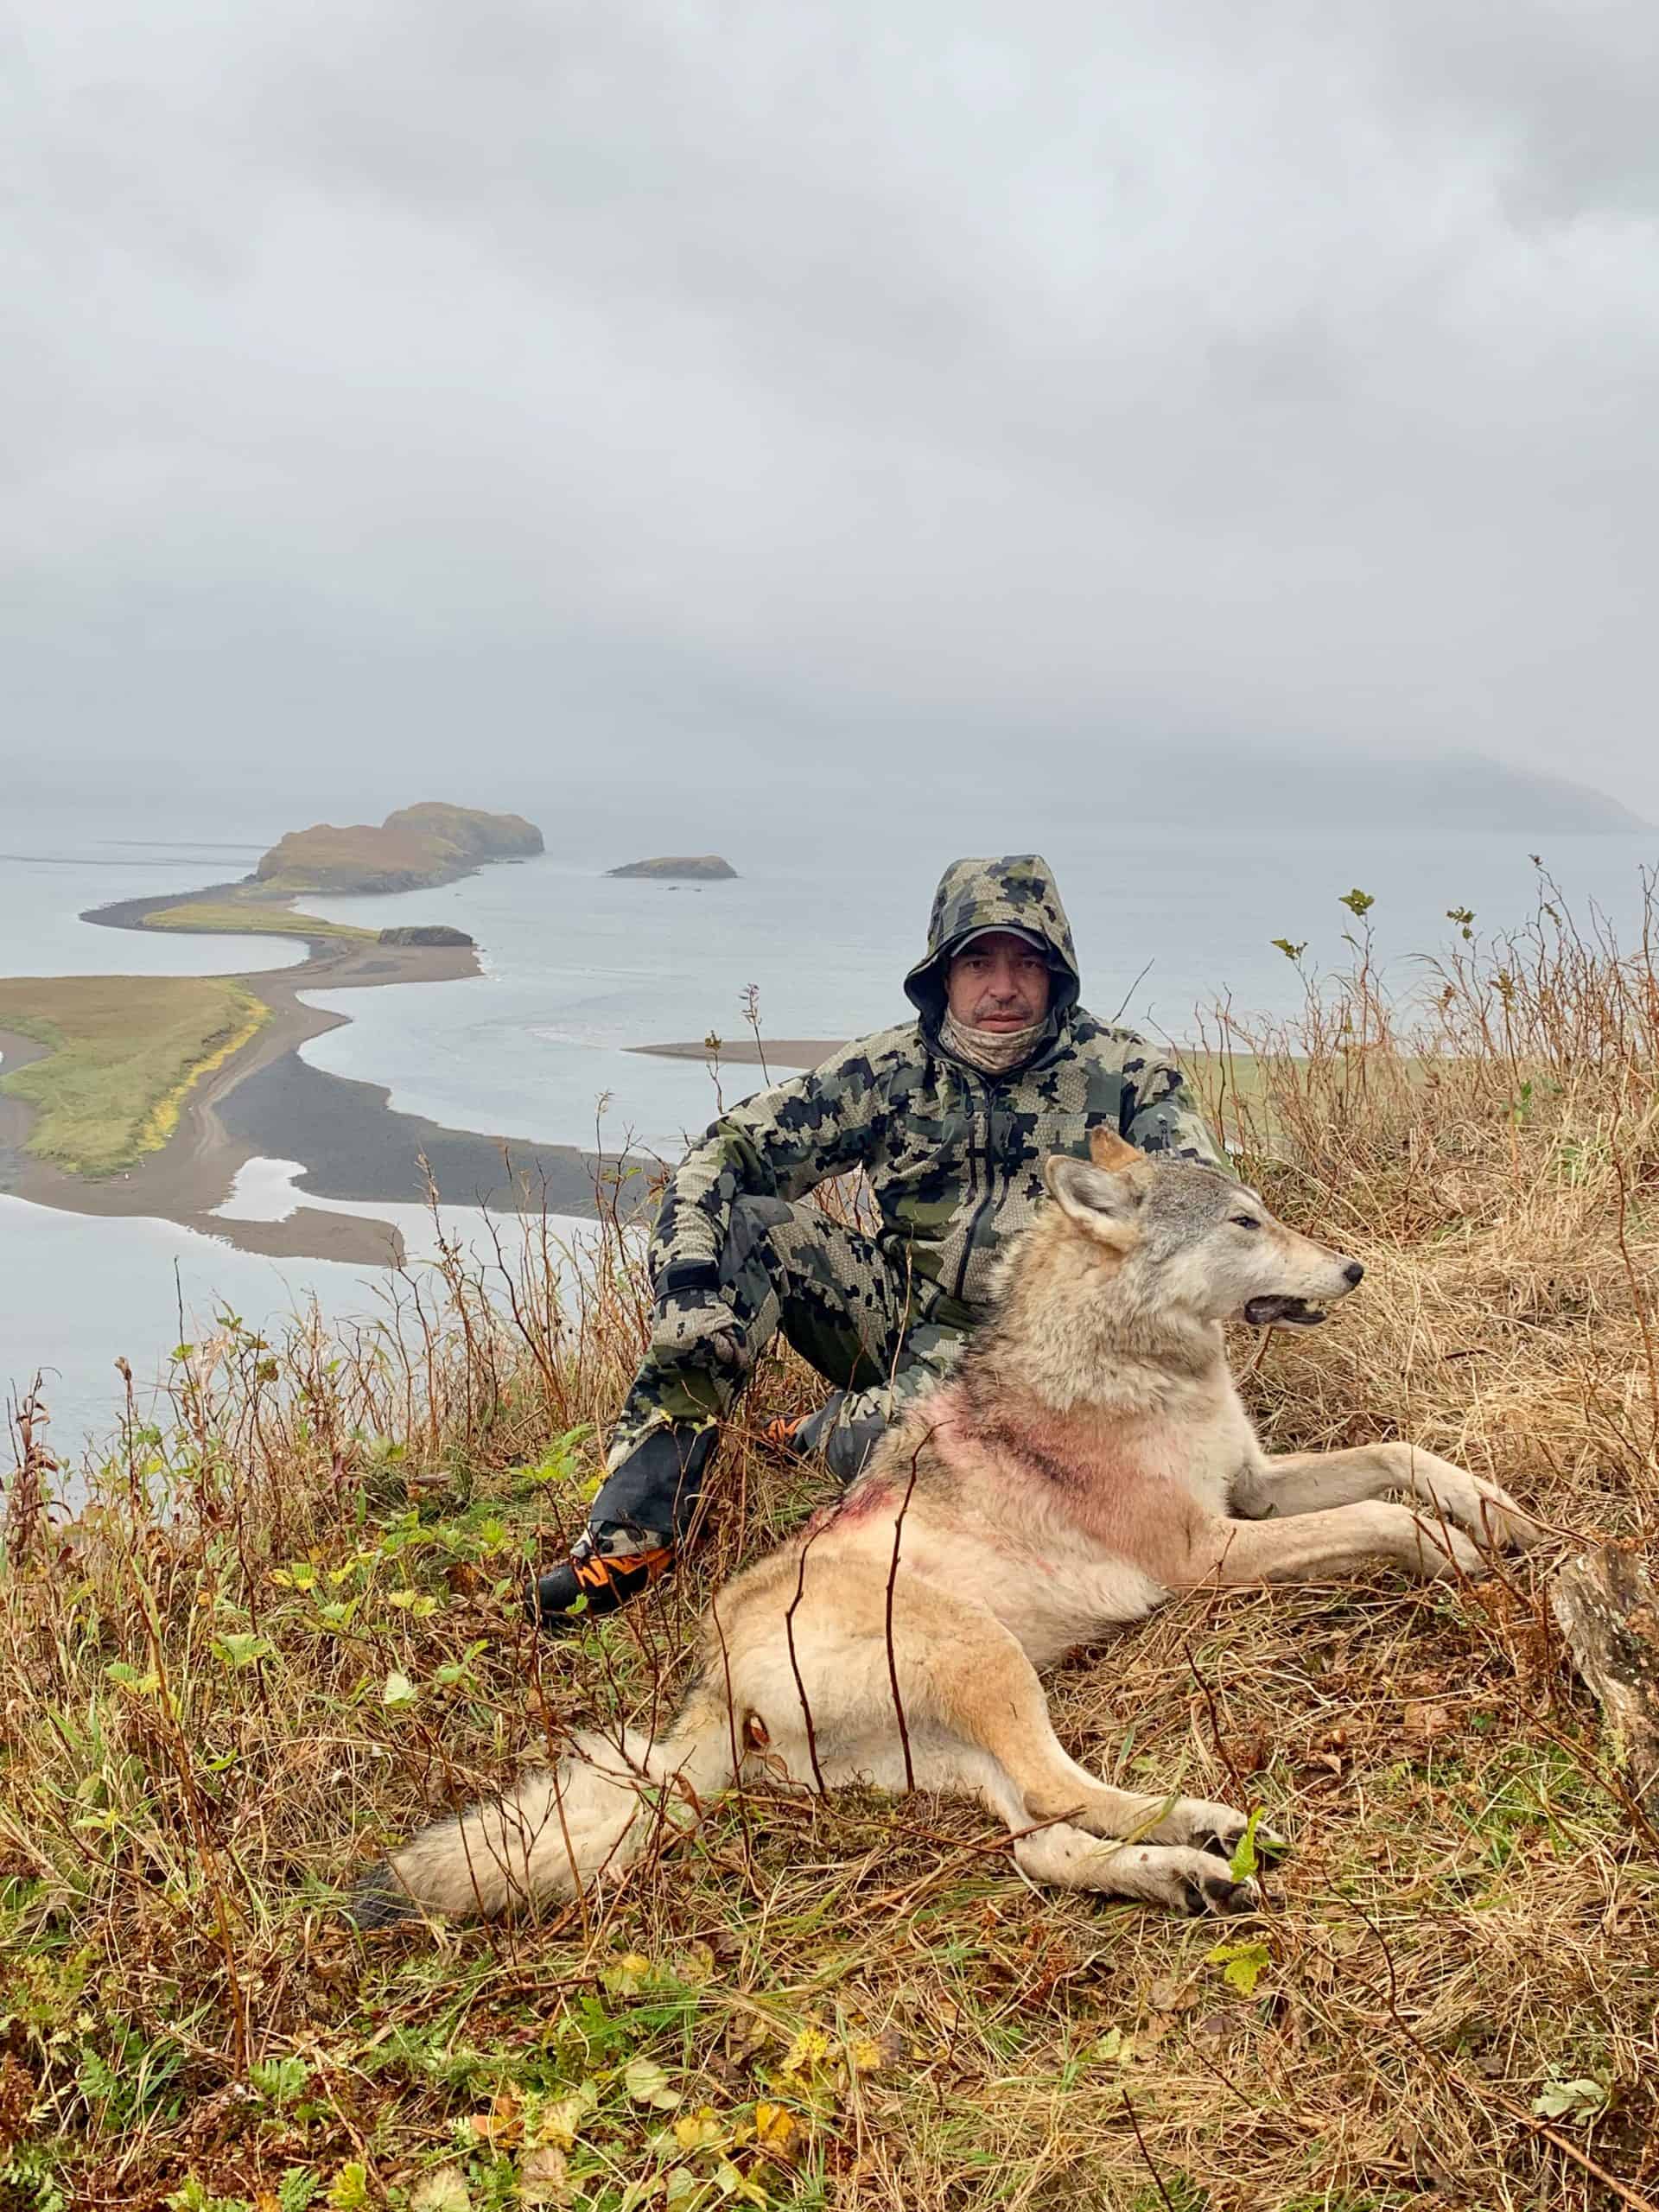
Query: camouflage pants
{"x": 877, "y": 1337}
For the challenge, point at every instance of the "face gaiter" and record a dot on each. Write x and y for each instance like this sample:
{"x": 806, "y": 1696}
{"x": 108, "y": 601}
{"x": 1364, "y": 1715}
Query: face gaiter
{"x": 993, "y": 1051}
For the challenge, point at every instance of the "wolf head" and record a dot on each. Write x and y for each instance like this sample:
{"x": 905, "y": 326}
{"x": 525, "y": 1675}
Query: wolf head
{"x": 1184, "y": 1239}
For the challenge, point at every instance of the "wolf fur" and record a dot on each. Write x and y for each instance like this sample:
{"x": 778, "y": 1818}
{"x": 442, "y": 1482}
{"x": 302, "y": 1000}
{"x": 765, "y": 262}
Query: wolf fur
{"x": 1089, "y": 1457}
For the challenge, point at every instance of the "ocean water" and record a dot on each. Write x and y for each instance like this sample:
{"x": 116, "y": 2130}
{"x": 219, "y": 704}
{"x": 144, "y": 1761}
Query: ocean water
{"x": 42, "y": 901}
{"x": 77, "y": 1292}
{"x": 579, "y": 967}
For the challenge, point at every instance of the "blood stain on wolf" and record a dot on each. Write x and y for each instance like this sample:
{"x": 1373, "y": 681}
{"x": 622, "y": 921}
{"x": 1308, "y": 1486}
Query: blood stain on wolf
{"x": 862, "y": 1502}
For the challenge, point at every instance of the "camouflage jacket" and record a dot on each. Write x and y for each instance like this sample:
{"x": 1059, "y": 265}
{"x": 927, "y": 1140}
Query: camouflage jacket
{"x": 954, "y": 1157}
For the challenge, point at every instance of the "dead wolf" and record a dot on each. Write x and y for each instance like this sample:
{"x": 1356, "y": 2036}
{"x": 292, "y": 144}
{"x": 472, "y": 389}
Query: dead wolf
{"x": 1089, "y": 1457}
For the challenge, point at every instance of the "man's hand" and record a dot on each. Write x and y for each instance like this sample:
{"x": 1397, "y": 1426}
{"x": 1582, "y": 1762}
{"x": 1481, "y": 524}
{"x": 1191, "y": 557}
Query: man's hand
{"x": 685, "y": 1320}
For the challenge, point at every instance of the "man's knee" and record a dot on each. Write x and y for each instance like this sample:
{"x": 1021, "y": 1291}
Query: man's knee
{"x": 752, "y": 1223}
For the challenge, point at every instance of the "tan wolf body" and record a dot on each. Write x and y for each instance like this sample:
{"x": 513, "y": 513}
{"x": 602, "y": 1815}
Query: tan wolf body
{"x": 1089, "y": 1457}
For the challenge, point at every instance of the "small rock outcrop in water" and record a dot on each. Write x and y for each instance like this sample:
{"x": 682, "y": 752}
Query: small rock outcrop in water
{"x": 426, "y": 934}
{"x": 681, "y": 867}
{"x": 411, "y": 850}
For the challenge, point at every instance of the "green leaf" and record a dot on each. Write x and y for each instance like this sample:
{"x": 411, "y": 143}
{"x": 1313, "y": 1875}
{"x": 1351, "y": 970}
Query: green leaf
{"x": 730, "y": 2182}
{"x": 279, "y": 2081}
{"x": 398, "y": 1691}
{"x": 443, "y": 2191}
{"x": 1244, "y": 1862}
{"x": 1358, "y": 903}
{"x": 296, "y": 2189}
{"x": 1242, "y": 1965}
{"x": 349, "y": 2191}
{"x": 626, "y": 1974}
{"x": 1579, "y": 2100}
{"x": 647, "y": 2084}
{"x": 237, "y": 1651}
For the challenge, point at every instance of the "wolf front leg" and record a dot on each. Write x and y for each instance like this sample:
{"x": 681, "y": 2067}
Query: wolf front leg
{"x": 1311, "y": 1546}
{"x": 1315, "y": 1482}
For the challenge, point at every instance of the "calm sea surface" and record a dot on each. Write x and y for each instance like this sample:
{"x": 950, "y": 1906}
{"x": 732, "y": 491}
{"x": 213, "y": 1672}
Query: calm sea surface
{"x": 579, "y": 967}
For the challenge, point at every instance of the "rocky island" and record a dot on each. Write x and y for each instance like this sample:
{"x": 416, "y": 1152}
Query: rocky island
{"x": 414, "y": 849}
{"x": 695, "y": 867}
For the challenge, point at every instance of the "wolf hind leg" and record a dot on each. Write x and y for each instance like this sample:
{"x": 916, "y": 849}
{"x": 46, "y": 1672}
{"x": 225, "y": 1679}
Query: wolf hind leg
{"x": 962, "y": 1676}
{"x": 1173, "y": 1864}
{"x": 1189, "y": 1881}
{"x": 993, "y": 1697}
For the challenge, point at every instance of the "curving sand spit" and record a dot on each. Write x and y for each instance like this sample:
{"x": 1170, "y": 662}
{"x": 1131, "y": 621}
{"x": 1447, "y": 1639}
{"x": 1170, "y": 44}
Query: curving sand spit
{"x": 264, "y": 1099}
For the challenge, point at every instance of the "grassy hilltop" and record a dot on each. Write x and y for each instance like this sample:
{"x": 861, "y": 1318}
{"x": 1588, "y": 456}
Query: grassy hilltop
{"x": 412, "y": 849}
{"x": 288, "y": 1628}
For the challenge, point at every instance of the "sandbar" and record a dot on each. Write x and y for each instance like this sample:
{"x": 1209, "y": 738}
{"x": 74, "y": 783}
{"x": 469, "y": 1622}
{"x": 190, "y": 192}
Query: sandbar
{"x": 744, "y": 1052}
{"x": 266, "y": 1100}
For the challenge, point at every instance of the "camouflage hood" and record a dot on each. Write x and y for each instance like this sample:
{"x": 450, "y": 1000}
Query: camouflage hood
{"x": 1015, "y": 893}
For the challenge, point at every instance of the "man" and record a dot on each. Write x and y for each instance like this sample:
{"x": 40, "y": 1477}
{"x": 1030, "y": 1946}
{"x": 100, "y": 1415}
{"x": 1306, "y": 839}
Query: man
{"x": 951, "y": 1117}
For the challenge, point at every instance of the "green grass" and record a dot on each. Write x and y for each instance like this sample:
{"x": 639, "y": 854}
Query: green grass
{"x": 254, "y": 917}
{"x": 125, "y": 1049}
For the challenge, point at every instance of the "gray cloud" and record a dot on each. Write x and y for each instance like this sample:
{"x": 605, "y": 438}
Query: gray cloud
{"x": 1264, "y": 370}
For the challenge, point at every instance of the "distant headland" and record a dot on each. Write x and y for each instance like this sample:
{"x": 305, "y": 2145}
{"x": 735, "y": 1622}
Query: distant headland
{"x": 414, "y": 849}
{"x": 681, "y": 867}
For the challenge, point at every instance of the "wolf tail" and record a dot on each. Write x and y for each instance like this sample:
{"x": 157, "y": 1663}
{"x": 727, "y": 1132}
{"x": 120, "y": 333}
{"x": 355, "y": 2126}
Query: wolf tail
{"x": 553, "y": 1835}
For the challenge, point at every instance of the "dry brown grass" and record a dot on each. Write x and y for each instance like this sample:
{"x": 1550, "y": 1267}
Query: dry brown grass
{"x": 286, "y": 1628}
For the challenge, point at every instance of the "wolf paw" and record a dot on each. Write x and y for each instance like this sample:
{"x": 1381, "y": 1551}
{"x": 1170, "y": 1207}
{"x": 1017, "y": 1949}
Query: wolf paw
{"x": 1217, "y": 1895}
{"x": 1495, "y": 1522}
{"x": 1192, "y": 1882}
{"x": 1219, "y": 1829}
{"x": 1472, "y": 1504}
{"x": 1445, "y": 1551}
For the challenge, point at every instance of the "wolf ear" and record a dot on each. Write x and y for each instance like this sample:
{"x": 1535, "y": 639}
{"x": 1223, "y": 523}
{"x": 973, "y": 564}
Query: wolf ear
{"x": 1108, "y": 1150}
{"x": 1102, "y": 1204}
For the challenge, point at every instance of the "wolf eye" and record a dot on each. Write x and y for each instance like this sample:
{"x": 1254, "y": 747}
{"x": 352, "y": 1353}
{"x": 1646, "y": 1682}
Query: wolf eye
{"x": 1245, "y": 1220}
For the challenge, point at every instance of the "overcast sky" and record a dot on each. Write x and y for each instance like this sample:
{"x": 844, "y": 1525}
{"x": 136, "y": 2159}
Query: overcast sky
{"x": 591, "y": 377}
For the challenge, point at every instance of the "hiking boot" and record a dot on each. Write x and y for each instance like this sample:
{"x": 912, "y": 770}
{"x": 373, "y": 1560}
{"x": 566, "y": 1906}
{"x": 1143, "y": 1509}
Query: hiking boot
{"x": 783, "y": 1434}
{"x": 654, "y": 1488}
{"x": 607, "y": 1580}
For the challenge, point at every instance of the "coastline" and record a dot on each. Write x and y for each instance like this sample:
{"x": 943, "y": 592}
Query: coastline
{"x": 356, "y": 1148}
